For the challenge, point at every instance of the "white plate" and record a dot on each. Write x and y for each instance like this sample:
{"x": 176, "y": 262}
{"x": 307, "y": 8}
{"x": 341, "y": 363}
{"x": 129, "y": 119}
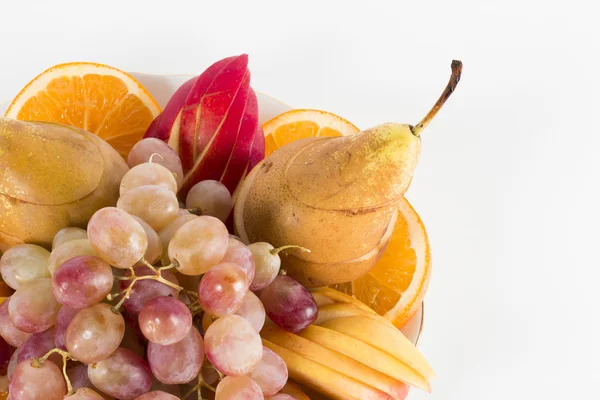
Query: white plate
{"x": 162, "y": 88}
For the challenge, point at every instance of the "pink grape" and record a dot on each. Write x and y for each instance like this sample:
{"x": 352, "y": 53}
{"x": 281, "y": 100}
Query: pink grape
{"x": 222, "y": 289}
{"x": 143, "y": 150}
{"x": 68, "y": 234}
{"x": 31, "y": 383}
{"x": 64, "y": 252}
{"x": 267, "y": 265}
{"x": 8, "y": 330}
{"x": 123, "y": 375}
{"x": 23, "y": 264}
{"x": 238, "y": 388}
{"x": 158, "y": 386}
{"x": 155, "y": 246}
{"x": 117, "y": 237}
{"x": 198, "y": 245}
{"x": 177, "y": 363}
{"x": 157, "y": 395}
{"x": 233, "y": 346}
{"x": 166, "y": 234}
{"x": 6, "y": 352}
{"x": 165, "y": 320}
{"x": 85, "y": 394}
{"x": 253, "y": 311}
{"x": 148, "y": 174}
{"x": 238, "y": 253}
{"x": 12, "y": 364}
{"x": 32, "y": 307}
{"x": 156, "y": 205}
{"x": 64, "y": 318}
{"x": 212, "y": 198}
{"x": 82, "y": 282}
{"x": 271, "y": 373}
{"x": 95, "y": 333}
{"x": 146, "y": 290}
{"x": 77, "y": 373}
{"x": 288, "y": 304}
{"x": 38, "y": 345}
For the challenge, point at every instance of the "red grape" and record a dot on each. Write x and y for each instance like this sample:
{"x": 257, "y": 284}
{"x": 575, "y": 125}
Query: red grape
{"x": 157, "y": 395}
{"x": 64, "y": 318}
{"x": 198, "y": 245}
{"x": 222, "y": 289}
{"x": 8, "y": 330}
{"x": 95, "y": 333}
{"x": 117, "y": 237}
{"x": 146, "y": 290}
{"x": 165, "y": 320}
{"x": 38, "y": 345}
{"x": 85, "y": 394}
{"x": 252, "y": 309}
{"x": 238, "y": 388}
{"x": 271, "y": 373}
{"x": 238, "y": 253}
{"x": 37, "y": 383}
{"x": 82, "y": 282}
{"x": 32, "y": 307}
{"x": 288, "y": 304}
{"x": 177, "y": 363}
{"x": 123, "y": 375}
{"x": 233, "y": 346}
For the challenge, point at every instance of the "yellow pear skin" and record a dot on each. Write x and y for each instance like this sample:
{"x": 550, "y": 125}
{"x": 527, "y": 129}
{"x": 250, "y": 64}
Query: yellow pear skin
{"x": 52, "y": 176}
{"x": 336, "y": 197}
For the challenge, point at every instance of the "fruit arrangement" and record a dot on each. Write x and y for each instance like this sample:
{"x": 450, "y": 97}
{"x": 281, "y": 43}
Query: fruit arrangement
{"x": 195, "y": 253}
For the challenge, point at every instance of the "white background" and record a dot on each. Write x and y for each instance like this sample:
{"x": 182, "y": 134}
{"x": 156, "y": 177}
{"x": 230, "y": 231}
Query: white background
{"x": 508, "y": 180}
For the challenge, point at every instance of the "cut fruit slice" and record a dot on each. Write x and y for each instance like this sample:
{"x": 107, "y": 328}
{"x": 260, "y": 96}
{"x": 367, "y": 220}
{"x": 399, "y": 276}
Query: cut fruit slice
{"x": 301, "y": 124}
{"x": 97, "y": 98}
{"x": 334, "y": 360}
{"x": 396, "y": 286}
{"x": 324, "y": 379}
{"x": 367, "y": 354}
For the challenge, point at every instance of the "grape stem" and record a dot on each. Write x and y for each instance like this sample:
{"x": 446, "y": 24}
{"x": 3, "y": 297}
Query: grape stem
{"x": 198, "y": 388}
{"x": 289, "y": 246}
{"x": 152, "y": 156}
{"x": 39, "y": 362}
{"x": 147, "y": 264}
{"x": 134, "y": 278}
{"x": 195, "y": 211}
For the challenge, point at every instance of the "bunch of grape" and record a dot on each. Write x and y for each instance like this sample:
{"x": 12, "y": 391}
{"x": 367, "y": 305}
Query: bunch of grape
{"x": 152, "y": 301}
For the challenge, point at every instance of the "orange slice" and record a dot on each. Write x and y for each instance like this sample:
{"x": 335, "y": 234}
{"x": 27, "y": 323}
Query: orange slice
{"x": 97, "y": 98}
{"x": 303, "y": 123}
{"x": 396, "y": 286}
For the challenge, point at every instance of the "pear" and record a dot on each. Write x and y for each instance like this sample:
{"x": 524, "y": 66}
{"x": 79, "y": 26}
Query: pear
{"x": 336, "y": 197}
{"x": 52, "y": 176}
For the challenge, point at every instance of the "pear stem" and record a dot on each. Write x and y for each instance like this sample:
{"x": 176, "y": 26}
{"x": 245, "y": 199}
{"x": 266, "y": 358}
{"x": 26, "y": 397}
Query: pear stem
{"x": 454, "y": 79}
